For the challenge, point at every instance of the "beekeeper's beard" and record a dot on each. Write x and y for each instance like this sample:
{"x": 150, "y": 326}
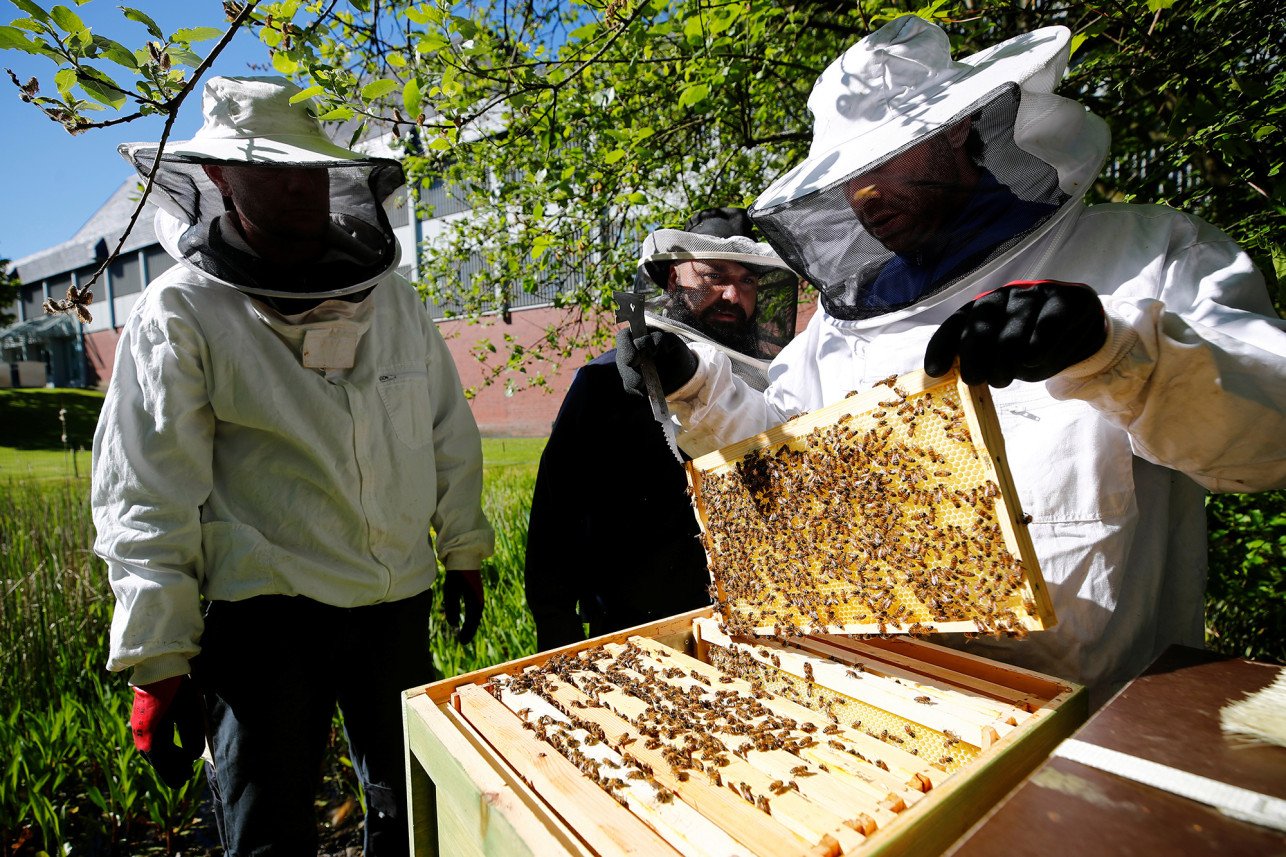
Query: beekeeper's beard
{"x": 738, "y": 335}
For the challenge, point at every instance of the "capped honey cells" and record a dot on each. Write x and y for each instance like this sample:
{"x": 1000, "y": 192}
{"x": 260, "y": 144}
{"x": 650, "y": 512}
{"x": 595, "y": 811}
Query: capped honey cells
{"x": 882, "y": 514}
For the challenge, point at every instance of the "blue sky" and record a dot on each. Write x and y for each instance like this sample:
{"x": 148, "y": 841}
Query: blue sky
{"x": 52, "y": 182}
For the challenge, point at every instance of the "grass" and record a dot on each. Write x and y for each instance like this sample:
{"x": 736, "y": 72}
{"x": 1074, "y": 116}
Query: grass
{"x": 71, "y": 777}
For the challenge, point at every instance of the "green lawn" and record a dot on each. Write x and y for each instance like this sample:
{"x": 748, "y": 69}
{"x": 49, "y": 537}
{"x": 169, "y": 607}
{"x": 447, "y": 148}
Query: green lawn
{"x": 32, "y": 448}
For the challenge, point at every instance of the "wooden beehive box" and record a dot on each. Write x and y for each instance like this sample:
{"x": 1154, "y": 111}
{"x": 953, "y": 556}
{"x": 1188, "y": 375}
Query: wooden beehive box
{"x": 764, "y": 726}
{"x": 674, "y": 738}
{"x": 890, "y": 511}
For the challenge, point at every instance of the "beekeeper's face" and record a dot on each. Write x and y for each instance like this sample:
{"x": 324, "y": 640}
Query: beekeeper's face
{"x": 906, "y": 202}
{"x": 718, "y": 291}
{"x": 285, "y": 204}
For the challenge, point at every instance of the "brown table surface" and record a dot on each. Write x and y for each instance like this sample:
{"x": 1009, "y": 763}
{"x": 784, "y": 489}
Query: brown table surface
{"x": 1169, "y": 715}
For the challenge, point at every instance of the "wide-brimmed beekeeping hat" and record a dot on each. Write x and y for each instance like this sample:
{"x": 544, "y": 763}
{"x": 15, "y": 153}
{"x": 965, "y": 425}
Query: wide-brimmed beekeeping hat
{"x": 262, "y": 123}
{"x": 896, "y": 98}
{"x": 900, "y": 84}
{"x": 252, "y": 120}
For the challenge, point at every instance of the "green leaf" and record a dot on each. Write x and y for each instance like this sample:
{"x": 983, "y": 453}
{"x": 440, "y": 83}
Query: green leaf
{"x": 307, "y": 93}
{"x": 539, "y": 245}
{"x": 31, "y": 9}
{"x": 270, "y": 37}
{"x": 196, "y": 34}
{"x": 142, "y": 18}
{"x": 378, "y": 88}
{"x": 1158, "y": 5}
{"x": 693, "y": 94}
{"x": 338, "y": 114}
{"x": 431, "y": 42}
{"x": 100, "y": 91}
{"x": 67, "y": 19}
{"x": 411, "y": 96}
{"x": 12, "y": 38}
{"x": 116, "y": 52}
{"x": 613, "y": 156}
{"x": 183, "y": 56}
{"x": 64, "y": 80}
{"x": 283, "y": 62}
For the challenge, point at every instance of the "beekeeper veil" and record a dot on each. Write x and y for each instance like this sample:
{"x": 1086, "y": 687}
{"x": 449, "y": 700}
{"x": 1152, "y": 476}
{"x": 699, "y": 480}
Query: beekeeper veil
{"x": 924, "y": 169}
{"x": 713, "y": 282}
{"x": 253, "y": 131}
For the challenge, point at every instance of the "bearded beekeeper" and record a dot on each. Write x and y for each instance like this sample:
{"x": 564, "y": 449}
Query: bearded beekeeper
{"x": 1138, "y": 359}
{"x": 284, "y": 454}
{"x": 709, "y": 282}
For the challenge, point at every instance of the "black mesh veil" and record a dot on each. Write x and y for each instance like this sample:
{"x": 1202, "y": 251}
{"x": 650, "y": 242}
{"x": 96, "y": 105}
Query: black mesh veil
{"x": 195, "y": 225}
{"x": 942, "y": 206}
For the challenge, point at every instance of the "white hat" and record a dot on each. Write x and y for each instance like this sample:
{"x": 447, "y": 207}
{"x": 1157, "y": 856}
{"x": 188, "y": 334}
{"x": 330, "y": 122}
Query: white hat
{"x": 678, "y": 245}
{"x": 899, "y": 84}
{"x": 252, "y": 120}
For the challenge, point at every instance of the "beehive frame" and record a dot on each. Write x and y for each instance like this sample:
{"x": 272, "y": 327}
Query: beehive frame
{"x": 891, "y": 511}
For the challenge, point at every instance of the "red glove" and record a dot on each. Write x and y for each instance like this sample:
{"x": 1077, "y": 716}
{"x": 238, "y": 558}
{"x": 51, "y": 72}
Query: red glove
{"x": 466, "y": 586}
{"x": 1029, "y": 330}
{"x": 159, "y": 708}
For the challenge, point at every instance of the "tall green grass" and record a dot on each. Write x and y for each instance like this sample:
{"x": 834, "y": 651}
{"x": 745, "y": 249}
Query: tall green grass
{"x": 71, "y": 778}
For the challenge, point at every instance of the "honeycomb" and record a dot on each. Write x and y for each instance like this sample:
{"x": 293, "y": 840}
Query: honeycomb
{"x": 886, "y": 517}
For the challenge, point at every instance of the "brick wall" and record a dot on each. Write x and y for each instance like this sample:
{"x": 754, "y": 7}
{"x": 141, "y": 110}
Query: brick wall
{"x": 527, "y": 412}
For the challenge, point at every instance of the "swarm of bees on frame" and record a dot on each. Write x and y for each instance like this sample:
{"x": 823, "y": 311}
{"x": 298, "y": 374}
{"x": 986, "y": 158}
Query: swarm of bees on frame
{"x": 688, "y": 725}
{"x": 943, "y": 750}
{"x": 884, "y": 520}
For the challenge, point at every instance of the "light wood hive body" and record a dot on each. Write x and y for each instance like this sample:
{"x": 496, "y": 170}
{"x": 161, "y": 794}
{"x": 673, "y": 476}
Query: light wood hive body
{"x": 707, "y": 745}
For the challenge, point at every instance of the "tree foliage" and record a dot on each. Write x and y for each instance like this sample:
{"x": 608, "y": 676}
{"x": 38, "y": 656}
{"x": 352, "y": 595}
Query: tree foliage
{"x": 1246, "y": 594}
{"x": 570, "y": 128}
{"x": 9, "y": 284}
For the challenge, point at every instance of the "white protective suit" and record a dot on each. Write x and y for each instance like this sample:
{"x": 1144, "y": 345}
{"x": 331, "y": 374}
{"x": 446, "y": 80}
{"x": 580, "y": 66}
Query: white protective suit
{"x": 244, "y": 452}
{"x": 1112, "y": 457}
{"x": 237, "y": 472}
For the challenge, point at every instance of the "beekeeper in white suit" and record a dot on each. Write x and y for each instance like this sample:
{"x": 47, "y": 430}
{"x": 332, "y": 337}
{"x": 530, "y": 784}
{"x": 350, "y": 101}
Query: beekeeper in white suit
{"x": 1138, "y": 359}
{"x": 283, "y": 457}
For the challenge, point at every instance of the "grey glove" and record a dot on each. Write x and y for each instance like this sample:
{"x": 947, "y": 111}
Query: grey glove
{"x": 675, "y": 362}
{"x": 1029, "y": 330}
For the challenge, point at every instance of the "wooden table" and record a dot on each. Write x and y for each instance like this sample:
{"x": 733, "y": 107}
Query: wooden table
{"x": 1169, "y": 715}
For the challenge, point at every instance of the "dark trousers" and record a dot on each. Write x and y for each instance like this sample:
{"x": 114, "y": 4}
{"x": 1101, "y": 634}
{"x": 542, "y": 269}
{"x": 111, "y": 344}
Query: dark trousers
{"x": 272, "y": 670}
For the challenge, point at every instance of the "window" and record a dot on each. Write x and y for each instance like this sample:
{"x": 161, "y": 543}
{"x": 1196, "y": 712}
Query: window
{"x": 158, "y": 261}
{"x": 398, "y": 213}
{"x": 127, "y": 275}
{"x": 443, "y": 198}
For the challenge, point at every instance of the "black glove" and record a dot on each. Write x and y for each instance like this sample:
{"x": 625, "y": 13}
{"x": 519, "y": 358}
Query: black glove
{"x": 463, "y": 586}
{"x": 675, "y": 362}
{"x": 160, "y": 707}
{"x": 1029, "y": 330}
